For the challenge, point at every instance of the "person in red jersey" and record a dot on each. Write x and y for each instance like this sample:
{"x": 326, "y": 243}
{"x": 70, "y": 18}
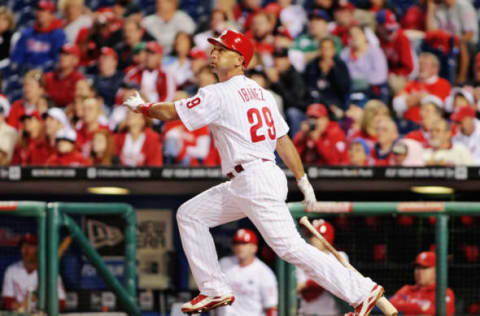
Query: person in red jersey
{"x": 33, "y": 147}
{"x": 320, "y": 141}
{"x": 155, "y": 83}
{"x": 395, "y": 44}
{"x": 66, "y": 153}
{"x": 419, "y": 299}
{"x": 60, "y": 83}
{"x": 93, "y": 120}
{"x": 407, "y": 102}
{"x": 139, "y": 145}
{"x": 430, "y": 111}
{"x": 33, "y": 100}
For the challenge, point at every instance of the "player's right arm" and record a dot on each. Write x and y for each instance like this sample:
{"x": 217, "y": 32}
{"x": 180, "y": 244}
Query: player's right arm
{"x": 164, "y": 111}
{"x": 198, "y": 111}
{"x": 291, "y": 158}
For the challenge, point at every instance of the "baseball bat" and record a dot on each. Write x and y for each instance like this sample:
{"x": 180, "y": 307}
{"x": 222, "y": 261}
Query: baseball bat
{"x": 382, "y": 303}
{"x": 64, "y": 246}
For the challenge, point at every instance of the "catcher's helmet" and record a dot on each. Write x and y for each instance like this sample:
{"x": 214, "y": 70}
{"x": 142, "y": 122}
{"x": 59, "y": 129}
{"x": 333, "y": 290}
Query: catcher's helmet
{"x": 237, "y": 42}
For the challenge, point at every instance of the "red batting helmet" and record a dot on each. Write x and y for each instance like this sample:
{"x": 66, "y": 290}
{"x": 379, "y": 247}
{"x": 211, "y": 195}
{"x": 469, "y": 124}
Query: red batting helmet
{"x": 325, "y": 229}
{"x": 245, "y": 236}
{"x": 237, "y": 42}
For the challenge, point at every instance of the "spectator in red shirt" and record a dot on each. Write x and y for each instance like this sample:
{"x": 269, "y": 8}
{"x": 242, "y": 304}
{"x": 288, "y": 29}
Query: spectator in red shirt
{"x": 395, "y": 44}
{"x": 415, "y": 16}
{"x": 103, "y": 148}
{"x": 156, "y": 84}
{"x": 430, "y": 111}
{"x": 33, "y": 99}
{"x": 185, "y": 147}
{"x": 66, "y": 153}
{"x": 91, "y": 122}
{"x": 387, "y": 136}
{"x": 320, "y": 141}
{"x": 33, "y": 148}
{"x": 60, "y": 83}
{"x": 139, "y": 146}
{"x": 105, "y": 31}
{"x": 419, "y": 299}
{"x": 407, "y": 103}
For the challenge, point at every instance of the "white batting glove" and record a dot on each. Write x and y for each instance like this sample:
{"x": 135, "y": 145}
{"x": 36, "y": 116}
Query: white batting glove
{"x": 134, "y": 102}
{"x": 308, "y": 193}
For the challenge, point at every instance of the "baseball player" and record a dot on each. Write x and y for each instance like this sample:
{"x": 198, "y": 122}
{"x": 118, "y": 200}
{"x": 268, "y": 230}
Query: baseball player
{"x": 20, "y": 281}
{"x": 315, "y": 301}
{"x": 252, "y": 281}
{"x": 247, "y": 128}
{"x": 419, "y": 299}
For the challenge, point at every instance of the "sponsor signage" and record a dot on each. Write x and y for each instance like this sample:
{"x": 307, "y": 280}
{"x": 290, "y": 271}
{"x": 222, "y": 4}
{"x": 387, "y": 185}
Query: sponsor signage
{"x": 16, "y": 173}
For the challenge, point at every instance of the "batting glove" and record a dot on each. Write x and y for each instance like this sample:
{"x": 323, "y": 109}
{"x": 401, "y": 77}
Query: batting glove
{"x": 308, "y": 193}
{"x": 134, "y": 102}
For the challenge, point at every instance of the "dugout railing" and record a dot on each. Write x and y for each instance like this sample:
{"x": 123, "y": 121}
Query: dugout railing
{"x": 59, "y": 215}
{"x": 442, "y": 211}
{"x": 50, "y": 218}
{"x": 36, "y": 210}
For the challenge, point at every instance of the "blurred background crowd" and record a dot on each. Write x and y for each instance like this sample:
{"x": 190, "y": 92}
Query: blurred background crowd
{"x": 361, "y": 83}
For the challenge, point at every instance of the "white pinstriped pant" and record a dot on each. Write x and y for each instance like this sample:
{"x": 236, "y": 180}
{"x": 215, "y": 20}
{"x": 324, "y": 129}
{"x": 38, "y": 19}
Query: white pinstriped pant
{"x": 259, "y": 193}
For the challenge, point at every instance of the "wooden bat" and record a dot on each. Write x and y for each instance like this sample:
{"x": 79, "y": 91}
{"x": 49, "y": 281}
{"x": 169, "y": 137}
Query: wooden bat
{"x": 382, "y": 303}
{"x": 64, "y": 246}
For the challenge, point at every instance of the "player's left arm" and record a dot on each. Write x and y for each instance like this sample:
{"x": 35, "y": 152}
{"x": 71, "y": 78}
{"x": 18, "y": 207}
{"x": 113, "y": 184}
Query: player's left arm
{"x": 291, "y": 158}
{"x": 287, "y": 151}
{"x": 164, "y": 111}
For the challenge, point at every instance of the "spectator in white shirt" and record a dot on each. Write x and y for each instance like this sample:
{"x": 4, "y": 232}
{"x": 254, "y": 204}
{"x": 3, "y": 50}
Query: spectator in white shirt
{"x": 443, "y": 152}
{"x": 167, "y": 22}
{"x": 75, "y": 18}
{"x": 468, "y": 132}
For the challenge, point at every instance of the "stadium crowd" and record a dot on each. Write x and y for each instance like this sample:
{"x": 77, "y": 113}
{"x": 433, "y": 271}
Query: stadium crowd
{"x": 362, "y": 83}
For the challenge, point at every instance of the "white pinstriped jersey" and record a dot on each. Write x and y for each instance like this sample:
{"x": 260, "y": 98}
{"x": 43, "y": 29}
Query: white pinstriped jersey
{"x": 17, "y": 282}
{"x": 254, "y": 287}
{"x": 242, "y": 116}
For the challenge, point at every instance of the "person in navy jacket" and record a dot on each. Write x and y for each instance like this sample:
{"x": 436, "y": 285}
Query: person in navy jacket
{"x": 39, "y": 46}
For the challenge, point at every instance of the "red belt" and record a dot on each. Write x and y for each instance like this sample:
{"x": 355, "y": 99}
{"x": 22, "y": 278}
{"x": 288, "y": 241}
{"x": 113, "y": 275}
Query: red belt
{"x": 239, "y": 168}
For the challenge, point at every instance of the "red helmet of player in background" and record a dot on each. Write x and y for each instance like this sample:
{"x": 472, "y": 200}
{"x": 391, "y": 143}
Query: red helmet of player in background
{"x": 237, "y": 42}
{"x": 325, "y": 229}
{"x": 245, "y": 236}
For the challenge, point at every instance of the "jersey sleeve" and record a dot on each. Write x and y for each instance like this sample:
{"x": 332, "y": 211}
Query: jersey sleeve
{"x": 7, "y": 288}
{"x": 199, "y": 110}
{"x": 269, "y": 289}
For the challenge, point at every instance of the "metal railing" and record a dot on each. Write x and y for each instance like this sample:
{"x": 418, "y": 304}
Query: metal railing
{"x": 441, "y": 210}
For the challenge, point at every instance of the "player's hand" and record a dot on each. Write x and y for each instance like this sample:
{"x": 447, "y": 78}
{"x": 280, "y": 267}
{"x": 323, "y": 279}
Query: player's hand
{"x": 308, "y": 193}
{"x": 134, "y": 102}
